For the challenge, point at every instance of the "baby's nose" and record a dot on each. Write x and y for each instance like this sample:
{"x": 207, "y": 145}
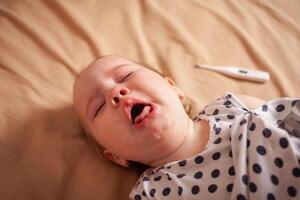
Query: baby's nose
{"x": 117, "y": 94}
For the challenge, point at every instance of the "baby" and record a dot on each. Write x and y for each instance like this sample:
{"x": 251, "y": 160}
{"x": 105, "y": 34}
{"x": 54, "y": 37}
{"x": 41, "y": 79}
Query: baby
{"x": 237, "y": 147}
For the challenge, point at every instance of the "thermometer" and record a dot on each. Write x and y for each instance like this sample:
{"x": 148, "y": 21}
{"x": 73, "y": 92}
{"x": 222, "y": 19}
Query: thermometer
{"x": 237, "y": 72}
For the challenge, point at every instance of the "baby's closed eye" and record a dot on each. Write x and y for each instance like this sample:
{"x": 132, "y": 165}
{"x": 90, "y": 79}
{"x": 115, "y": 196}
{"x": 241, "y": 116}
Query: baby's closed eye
{"x": 126, "y": 76}
{"x": 98, "y": 109}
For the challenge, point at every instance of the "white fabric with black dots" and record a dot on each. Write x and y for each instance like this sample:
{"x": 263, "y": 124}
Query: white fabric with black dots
{"x": 251, "y": 154}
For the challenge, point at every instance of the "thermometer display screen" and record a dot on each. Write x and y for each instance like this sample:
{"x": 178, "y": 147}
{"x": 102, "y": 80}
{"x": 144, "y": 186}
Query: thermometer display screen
{"x": 243, "y": 71}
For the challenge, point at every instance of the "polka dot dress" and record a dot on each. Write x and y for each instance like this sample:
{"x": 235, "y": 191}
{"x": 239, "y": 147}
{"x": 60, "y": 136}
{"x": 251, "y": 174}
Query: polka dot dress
{"x": 251, "y": 154}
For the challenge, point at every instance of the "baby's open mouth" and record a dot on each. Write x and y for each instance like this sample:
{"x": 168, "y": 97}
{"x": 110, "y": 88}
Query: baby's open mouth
{"x": 139, "y": 112}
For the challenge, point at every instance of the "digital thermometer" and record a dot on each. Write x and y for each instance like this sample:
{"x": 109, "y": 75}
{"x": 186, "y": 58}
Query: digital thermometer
{"x": 237, "y": 72}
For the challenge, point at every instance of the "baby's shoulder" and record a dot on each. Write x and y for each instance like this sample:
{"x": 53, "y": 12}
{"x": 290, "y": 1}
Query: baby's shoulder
{"x": 228, "y": 103}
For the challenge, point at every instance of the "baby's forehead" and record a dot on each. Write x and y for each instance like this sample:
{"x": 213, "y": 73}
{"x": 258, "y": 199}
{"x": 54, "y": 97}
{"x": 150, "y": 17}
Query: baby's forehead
{"x": 101, "y": 66}
{"x": 109, "y": 62}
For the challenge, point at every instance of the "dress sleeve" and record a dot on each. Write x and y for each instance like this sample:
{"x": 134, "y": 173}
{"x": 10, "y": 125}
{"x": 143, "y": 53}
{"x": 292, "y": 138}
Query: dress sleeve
{"x": 265, "y": 146}
{"x": 227, "y": 104}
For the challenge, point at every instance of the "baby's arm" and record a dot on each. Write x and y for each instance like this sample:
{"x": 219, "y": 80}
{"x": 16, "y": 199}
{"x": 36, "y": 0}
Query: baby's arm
{"x": 250, "y": 101}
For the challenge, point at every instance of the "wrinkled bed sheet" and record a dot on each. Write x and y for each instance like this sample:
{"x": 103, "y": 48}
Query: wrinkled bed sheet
{"x": 45, "y": 44}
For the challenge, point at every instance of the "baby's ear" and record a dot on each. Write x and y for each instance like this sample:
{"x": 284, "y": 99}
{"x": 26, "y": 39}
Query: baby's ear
{"x": 173, "y": 84}
{"x": 114, "y": 158}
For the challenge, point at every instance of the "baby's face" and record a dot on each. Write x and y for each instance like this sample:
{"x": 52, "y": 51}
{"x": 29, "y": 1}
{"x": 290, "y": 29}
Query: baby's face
{"x": 130, "y": 110}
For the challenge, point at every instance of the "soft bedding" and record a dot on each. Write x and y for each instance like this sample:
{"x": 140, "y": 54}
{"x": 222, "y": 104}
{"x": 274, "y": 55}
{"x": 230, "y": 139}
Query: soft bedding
{"x": 45, "y": 44}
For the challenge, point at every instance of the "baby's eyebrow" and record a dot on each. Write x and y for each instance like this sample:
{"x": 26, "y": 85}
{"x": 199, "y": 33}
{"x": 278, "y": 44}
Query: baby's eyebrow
{"x": 117, "y": 68}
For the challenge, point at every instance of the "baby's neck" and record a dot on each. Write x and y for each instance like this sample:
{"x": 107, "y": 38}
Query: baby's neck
{"x": 193, "y": 144}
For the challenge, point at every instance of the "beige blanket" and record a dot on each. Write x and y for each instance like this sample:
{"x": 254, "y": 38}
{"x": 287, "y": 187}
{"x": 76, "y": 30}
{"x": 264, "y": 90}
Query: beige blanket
{"x": 45, "y": 44}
